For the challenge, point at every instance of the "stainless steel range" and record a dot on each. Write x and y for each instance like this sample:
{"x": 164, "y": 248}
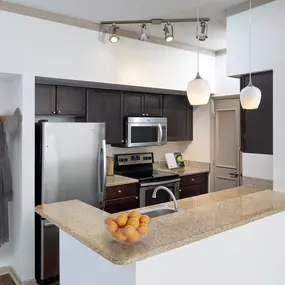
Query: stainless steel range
{"x": 140, "y": 166}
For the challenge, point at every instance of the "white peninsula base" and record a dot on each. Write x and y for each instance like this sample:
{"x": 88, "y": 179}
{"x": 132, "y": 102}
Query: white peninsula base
{"x": 250, "y": 254}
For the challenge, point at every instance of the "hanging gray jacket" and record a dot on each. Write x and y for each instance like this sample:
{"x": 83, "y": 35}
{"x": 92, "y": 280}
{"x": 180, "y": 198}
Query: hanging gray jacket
{"x": 6, "y": 190}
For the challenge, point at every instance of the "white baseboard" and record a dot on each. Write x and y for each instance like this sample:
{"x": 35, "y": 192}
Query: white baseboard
{"x": 10, "y": 270}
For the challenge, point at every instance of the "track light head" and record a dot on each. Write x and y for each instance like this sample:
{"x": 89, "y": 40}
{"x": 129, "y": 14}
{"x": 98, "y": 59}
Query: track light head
{"x": 168, "y": 31}
{"x": 114, "y": 36}
{"x": 202, "y": 31}
{"x": 143, "y": 37}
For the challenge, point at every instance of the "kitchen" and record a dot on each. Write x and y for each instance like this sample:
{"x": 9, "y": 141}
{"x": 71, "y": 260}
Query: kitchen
{"x": 87, "y": 76}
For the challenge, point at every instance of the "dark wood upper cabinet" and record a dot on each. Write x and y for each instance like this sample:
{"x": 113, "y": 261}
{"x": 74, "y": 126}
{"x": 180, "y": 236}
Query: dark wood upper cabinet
{"x": 133, "y": 104}
{"x": 45, "y": 98}
{"x": 105, "y": 106}
{"x": 153, "y": 105}
{"x": 140, "y": 104}
{"x": 257, "y": 125}
{"x": 179, "y": 116}
{"x": 71, "y": 100}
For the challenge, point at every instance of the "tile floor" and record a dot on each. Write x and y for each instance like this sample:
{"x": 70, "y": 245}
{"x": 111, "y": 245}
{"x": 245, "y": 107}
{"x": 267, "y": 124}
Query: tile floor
{"x": 6, "y": 280}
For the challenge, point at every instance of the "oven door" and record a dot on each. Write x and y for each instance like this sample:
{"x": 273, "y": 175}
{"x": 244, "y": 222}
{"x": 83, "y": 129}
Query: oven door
{"x": 142, "y": 133}
{"x": 146, "y": 191}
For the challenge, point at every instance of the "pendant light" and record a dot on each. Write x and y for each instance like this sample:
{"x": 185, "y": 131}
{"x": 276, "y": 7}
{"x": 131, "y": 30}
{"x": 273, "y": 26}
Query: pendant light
{"x": 250, "y": 96}
{"x": 198, "y": 90}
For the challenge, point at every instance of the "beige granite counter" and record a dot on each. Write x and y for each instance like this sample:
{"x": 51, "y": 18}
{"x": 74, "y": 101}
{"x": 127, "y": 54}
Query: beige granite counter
{"x": 117, "y": 180}
{"x": 191, "y": 167}
{"x": 200, "y": 217}
{"x": 187, "y": 170}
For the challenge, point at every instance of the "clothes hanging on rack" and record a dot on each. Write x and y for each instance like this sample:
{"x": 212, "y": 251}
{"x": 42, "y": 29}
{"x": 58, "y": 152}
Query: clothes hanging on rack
{"x": 6, "y": 190}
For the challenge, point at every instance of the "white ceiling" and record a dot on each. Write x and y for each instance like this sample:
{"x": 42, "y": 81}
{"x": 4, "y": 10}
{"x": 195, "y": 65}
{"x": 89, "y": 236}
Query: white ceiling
{"x": 106, "y": 10}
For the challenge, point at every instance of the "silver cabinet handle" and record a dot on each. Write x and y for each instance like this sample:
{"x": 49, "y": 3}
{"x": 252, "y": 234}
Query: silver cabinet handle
{"x": 119, "y": 191}
{"x": 58, "y": 112}
{"x": 53, "y": 112}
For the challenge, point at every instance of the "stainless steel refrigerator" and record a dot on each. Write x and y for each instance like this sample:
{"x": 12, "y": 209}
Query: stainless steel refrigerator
{"x": 70, "y": 163}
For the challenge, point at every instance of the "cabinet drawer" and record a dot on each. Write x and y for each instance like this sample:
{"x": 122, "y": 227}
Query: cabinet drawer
{"x": 121, "y": 191}
{"x": 193, "y": 179}
{"x": 121, "y": 204}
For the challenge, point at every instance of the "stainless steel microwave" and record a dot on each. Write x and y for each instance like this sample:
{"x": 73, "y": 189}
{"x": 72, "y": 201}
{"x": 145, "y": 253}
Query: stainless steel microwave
{"x": 145, "y": 131}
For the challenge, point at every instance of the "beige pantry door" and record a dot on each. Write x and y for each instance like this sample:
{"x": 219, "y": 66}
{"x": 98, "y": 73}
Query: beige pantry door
{"x": 226, "y": 144}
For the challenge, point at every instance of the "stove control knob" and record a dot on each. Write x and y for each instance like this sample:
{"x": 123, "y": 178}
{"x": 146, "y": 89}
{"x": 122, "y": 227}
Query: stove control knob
{"x": 121, "y": 160}
{"x": 145, "y": 158}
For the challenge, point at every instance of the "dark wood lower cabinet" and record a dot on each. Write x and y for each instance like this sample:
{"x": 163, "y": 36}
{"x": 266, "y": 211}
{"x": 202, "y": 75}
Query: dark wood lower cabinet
{"x": 193, "y": 185}
{"x": 121, "y": 198}
{"x": 122, "y": 204}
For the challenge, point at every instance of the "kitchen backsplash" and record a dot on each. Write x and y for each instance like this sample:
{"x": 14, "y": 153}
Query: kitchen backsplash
{"x": 159, "y": 151}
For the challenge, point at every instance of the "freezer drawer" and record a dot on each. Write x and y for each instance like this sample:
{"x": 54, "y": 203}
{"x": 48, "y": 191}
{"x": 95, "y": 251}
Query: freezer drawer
{"x": 50, "y": 250}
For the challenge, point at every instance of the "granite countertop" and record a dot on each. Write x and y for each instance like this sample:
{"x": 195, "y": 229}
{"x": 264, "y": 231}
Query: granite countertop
{"x": 187, "y": 170}
{"x": 117, "y": 180}
{"x": 200, "y": 217}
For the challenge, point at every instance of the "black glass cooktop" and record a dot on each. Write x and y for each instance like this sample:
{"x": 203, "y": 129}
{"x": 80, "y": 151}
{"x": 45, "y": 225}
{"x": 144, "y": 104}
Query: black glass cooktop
{"x": 150, "y": 176}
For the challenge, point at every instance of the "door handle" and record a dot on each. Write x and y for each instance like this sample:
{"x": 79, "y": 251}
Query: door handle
{"x": 160, "y": 134}
{"x": 235, "y": 174}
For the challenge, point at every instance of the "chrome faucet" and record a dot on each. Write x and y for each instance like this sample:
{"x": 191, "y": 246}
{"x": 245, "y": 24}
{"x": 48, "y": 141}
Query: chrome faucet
{"x": 170, "y": 193}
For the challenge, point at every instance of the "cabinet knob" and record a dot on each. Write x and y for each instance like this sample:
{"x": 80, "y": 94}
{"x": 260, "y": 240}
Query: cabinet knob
{"x": 137, "y": 198}
{"x": 193, "y": 179}
{"x": 58, "y": 112}
{"x": 53, "y": 112}
{"x": 146, "y": 114}
{"x": 122, "y": 141}
{"x": 143, "y": 114}
{"x": 119, "y": 191}
{"x": 180, "y": 190}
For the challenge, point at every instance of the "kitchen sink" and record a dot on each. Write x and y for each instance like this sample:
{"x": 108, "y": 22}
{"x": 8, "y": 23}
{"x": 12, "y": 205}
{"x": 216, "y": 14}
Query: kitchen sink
{"x": 158, "y": 211}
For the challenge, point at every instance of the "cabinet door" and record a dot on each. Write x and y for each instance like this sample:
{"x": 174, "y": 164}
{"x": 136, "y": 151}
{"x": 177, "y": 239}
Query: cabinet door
{"x": 71, "y": 100}
{"x": 45, "y": 99}
{"x": 257, "y": 125}
{"x": 133, "y": 104}
{"x": 153, "y": 105}
{"x": 120, "y": 205}
{"x": 192, "y": 190}
{"x": 175, "y": 110}
{"x": 105, "y": 106}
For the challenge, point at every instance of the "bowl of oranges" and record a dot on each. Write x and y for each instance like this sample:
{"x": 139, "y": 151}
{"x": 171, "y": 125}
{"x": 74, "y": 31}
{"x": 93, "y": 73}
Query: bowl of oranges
{"x": 128, "y": 228}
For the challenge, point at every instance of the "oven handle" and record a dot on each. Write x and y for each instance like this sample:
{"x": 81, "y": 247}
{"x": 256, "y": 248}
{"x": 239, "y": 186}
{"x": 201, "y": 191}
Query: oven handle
{"x": 160, "y": 134}
{"x": 160, "y": 183}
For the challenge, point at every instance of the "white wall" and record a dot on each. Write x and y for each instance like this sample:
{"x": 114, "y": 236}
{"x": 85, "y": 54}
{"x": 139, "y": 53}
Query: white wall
{"x": 225, "y": 85}
{"x": 267, "y": 54}
{"x": 33, "y": 47}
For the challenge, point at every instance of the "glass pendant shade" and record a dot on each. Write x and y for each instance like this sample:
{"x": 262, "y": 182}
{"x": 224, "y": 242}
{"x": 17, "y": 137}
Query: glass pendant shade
{"x": 198, "y": 91}
{"x": 250, "y": 97}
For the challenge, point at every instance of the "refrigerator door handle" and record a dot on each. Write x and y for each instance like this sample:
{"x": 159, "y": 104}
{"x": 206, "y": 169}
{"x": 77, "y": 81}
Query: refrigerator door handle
{"x": 103, "y": 164}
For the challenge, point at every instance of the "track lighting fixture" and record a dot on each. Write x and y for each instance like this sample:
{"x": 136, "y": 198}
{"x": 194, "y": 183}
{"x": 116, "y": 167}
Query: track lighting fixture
{"x": 168, "y": 30}
{"x": 143, "y": 37}
{"x": 202, "y": 31}
{"x": 114, "y": 36}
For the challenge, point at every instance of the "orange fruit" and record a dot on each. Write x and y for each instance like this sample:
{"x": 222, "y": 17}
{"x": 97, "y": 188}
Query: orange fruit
{"x": 134, "y": 222}
{"x": 145, "y": 220}
{"x": 129, "y": 231}
{"x": 113, "y": 227}
{"x": 109, "y": 221}
{"x": 134, "y": 237}
{"x": 119, "y": 236}
{"x": 143, "y": 229}
{"x": 122, "y": 220}
{"x": 135, "y": 214}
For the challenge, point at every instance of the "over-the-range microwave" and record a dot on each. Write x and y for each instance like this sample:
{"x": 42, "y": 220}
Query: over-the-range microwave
{"x": 145, "y": 131}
